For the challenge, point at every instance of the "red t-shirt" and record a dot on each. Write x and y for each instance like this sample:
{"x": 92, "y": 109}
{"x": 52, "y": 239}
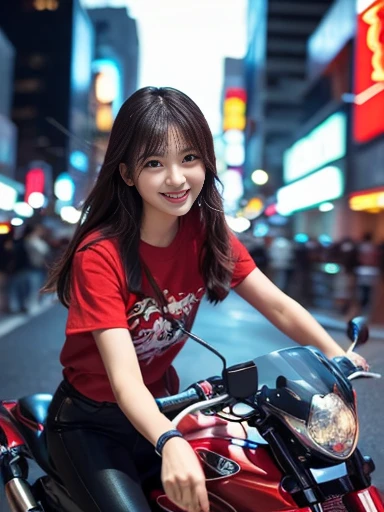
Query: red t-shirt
{"x": 100, "y": 300}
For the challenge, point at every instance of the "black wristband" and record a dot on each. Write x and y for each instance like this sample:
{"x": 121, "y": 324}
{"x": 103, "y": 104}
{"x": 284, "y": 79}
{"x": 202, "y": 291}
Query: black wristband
{"x": 164, "y": 438}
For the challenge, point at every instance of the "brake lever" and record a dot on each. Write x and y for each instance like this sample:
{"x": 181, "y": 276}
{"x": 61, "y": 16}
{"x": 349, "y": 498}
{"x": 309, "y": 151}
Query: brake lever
{"x": 199, "y": 406}
{"x": 363, "y": 374}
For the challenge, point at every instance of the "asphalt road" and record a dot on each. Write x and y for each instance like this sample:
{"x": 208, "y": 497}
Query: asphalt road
{"x": 29, "y": 357}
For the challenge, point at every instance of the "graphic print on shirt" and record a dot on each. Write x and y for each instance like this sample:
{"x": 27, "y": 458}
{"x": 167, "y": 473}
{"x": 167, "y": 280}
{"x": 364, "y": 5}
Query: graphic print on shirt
{"x": 152, "y": 334}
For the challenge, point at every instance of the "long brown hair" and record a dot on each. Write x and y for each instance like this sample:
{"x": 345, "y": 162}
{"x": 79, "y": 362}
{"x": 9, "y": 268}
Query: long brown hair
{"x": 115, "y": 209}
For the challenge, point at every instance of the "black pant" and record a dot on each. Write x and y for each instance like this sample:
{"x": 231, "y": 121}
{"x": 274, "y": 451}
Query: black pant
{"x": 100, "y": 457}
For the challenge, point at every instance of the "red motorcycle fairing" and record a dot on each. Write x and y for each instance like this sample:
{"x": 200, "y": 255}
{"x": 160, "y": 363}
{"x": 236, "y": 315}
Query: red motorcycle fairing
{"x": 12, "y": 435}
{"x": 256, "y": 485}
{"x": 367, "y": 500}
{"x": 216, "y": 504}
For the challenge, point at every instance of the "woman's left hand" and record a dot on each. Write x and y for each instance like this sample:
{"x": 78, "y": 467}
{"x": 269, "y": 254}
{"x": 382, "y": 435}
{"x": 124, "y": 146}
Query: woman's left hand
{"x": 358, "y": 360}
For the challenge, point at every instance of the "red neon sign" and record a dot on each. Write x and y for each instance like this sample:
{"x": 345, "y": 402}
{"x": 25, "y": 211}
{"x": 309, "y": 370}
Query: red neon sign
{"x": 236, "y": 92}
{"x": 34, "y": 182}
{"x": 369, "y": 73}
{"x": 270, "y": 210}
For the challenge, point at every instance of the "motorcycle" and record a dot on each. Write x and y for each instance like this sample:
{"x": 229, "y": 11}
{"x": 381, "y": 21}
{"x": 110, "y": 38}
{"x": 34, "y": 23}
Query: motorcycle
{"x": 278, "y": 433}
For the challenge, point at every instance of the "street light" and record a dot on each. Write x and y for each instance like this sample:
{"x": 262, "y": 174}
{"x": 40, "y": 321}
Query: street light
{"x": 16, "y": 221}
{"x": 23, "y": 209}
{"x": 259, "y": 177}
{"x": 326, "y": 207}
{"x": 36, "y": 200}
{"x": 64, "y": 187}
{"x": 70, "y": 214}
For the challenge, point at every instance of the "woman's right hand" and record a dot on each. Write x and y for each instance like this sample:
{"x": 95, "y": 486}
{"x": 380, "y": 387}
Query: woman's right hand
{"x": 183, "y": 477}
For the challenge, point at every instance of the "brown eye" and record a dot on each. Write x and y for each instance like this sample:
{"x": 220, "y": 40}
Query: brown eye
{"x": 190, "y": 158}
{"x": 152, "y": 164}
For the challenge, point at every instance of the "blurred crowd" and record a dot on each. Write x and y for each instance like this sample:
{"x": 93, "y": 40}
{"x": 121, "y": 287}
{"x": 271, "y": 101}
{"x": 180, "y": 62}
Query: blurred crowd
{"x": 25, "y": 256}
{"x": 342, "y": 276}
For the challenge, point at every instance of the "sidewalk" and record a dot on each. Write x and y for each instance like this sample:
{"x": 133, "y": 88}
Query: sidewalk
{"x": 332, "y": 321}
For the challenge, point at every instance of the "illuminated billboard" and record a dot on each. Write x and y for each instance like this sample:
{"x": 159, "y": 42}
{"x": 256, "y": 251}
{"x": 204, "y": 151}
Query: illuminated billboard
{"x": 235, "y": 105}
{"x": 369, "y": 200}
{"x": 323, "y": 145}
{"x": 369, "y": 72}
{"x": 34, "y": 182}
{"x": 324, "y": 185}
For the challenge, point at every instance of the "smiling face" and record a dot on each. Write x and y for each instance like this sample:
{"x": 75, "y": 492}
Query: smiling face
{"x": 169, "y": 183}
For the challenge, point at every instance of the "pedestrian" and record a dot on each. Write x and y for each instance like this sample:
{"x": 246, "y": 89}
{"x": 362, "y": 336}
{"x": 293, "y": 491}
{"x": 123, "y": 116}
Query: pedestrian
{"x": 345, "y": 280}
{"x": 257, "y": 249}
{"x": 5, "y": 244}
{"x": 38, "y": 251}
{"x": 17, "y": 268}
{"x": 151, "y": 242}
{"x": 367, "y": 271}
{"x": 281, "y": 258}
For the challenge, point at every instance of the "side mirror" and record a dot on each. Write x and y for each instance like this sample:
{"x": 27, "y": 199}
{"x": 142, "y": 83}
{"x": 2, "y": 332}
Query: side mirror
{"x": 358, "y": 331}
{"x": 241, "y": 380}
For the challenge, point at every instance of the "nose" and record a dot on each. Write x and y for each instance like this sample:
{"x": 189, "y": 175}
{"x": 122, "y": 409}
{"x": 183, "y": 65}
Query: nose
{"x": 175, "y": 177}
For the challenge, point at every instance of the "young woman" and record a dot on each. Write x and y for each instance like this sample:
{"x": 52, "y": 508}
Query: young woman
{"x": 151, "y": 243}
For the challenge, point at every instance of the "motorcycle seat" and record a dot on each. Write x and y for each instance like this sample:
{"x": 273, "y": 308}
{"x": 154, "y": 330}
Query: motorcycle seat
{"x": 34, "y": 409}
{"x": 31, "y": 413}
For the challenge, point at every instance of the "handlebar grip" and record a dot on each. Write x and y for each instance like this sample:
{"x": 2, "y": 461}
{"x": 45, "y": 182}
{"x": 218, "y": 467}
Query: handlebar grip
{"x": 179, "y": 401}
{"x": 345, "y": 365}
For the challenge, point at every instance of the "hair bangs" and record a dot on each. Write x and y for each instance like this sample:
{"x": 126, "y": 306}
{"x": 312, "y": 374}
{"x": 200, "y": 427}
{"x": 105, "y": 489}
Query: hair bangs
{"x": 157, "y": 125}
{"x": 192, "y": 131}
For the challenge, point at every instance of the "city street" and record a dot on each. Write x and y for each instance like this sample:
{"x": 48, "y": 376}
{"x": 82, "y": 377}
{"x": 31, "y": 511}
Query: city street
{"x": 29, "y": 360}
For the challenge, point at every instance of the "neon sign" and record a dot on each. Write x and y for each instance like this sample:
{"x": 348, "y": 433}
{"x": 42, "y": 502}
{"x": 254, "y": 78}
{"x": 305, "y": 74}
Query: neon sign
{"x": 374, "y": 17}
{"x": 234, "y": 122}
{"x": 34, "y": 182}
{"x": 324, "y": 185}
{"x": 369, "y": 73}
{"x": 367, "y": 201}
{"x": 235, "y": 109}
{"x": 323, "y": 145}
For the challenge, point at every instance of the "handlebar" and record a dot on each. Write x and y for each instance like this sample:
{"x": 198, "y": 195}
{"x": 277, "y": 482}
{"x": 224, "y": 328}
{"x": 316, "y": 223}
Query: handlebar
{"x": 352, "y": 372}
{"x": 179, "y": 401}
{"x": 196, "y": 393}
{"x": 361, "y": 374}
{"x": 189, "y": 401}
{"x": 206, "y": 404}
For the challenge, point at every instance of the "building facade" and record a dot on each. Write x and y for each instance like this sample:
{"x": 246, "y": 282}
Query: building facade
{"x": 317, "y": 166}
{"x": 53, "y": 41}
{"x": 115, "y": 72}
{"x": 255, "y": 82}
{"x": 366, "y": 191}
{"x": 116, "y": 39}
{"x": 9, "y": 187}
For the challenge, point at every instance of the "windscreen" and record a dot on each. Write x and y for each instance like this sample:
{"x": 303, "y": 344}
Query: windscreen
{"x": 300, "y": 369}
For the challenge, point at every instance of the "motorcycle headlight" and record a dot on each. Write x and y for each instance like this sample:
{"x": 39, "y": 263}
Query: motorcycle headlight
{"x": 332, "y": 427}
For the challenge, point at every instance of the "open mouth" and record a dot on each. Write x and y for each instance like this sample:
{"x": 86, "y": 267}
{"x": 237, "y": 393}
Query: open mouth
{"x": 176, "y": 197}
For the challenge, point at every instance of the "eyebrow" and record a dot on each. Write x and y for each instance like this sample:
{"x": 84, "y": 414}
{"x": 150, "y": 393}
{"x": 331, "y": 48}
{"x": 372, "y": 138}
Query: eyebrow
{"x": 181, "y": 152}
{"x": 186, "y": 150}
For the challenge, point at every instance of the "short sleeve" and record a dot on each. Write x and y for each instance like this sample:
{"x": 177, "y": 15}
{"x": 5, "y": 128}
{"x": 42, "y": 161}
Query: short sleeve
{"x": 244, "y": 263}
{"x": 98, "y": 292}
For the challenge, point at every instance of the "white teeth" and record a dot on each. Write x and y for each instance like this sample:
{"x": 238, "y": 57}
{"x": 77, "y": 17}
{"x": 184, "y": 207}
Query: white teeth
{"x": 176, "y": 196}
